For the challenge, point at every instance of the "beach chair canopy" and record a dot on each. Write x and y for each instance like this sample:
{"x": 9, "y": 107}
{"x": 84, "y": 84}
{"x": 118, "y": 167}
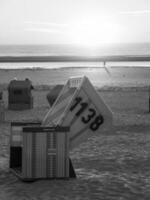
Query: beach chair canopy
{"x": 20, "y": 84}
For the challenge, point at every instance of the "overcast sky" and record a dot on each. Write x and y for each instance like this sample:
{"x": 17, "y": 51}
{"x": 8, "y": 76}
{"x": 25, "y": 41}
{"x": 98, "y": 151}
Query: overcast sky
{"x": 85, "y": 22}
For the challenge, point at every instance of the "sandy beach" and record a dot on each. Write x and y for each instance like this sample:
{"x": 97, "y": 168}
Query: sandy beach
{"x": 105, "y": 140}
{"x": 112, "y": 165}
{"x": 44, "y": 78}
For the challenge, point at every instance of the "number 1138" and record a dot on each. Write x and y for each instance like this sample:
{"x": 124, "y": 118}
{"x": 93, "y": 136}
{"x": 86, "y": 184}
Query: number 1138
{"x": 94, "y": 120}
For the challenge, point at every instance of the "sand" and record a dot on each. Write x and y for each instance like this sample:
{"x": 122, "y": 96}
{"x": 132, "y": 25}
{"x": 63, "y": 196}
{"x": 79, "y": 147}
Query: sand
{"x": 113, "y": 165}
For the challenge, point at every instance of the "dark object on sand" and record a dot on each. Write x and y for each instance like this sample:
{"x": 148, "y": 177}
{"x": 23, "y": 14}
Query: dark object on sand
{"x": 2, "y": 109}
{"x": 149, "y": 100}
{"x": 53, "y": 94}
{"x": 1, "y": 95}
{"x": 19, "y": 95}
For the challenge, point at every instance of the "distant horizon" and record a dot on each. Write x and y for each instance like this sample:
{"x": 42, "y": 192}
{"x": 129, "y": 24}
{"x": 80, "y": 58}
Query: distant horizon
{"x": 115, "y": 49}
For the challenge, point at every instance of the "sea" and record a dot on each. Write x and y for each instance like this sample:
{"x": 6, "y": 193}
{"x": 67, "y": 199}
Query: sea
{"x": 50, "y": 73}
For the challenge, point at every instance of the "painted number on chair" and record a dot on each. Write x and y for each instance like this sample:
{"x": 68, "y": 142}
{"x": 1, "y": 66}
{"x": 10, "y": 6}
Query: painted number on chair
{"x": 92, "y": 118}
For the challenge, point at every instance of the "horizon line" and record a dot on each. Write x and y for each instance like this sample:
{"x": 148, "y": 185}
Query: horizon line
{"x": 109, "y": 58}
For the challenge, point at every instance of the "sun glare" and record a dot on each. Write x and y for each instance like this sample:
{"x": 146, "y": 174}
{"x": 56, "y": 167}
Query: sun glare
{"x": 93, "y": 32}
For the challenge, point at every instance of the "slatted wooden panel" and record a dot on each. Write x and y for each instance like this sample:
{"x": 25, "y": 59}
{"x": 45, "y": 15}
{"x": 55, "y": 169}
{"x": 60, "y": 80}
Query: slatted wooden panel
{"x": 51, "y": 155}
{"x": 27, "y": 156}
{"x": 45, "y": 153}
{"x": 62, "y": 163}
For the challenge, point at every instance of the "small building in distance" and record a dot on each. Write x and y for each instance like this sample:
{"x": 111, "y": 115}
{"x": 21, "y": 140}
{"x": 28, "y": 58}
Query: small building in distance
{"x": 20, "y": 95}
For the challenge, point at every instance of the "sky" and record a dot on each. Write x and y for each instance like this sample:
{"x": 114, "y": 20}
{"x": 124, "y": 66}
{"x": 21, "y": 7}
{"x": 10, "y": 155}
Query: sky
{"x": 79, "y": 22}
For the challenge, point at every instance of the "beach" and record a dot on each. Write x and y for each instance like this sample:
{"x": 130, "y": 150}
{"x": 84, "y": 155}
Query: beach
{"x": 111, "y": 165}
{"x": 82, "y": 147}
{"x": 111, "y": 76}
